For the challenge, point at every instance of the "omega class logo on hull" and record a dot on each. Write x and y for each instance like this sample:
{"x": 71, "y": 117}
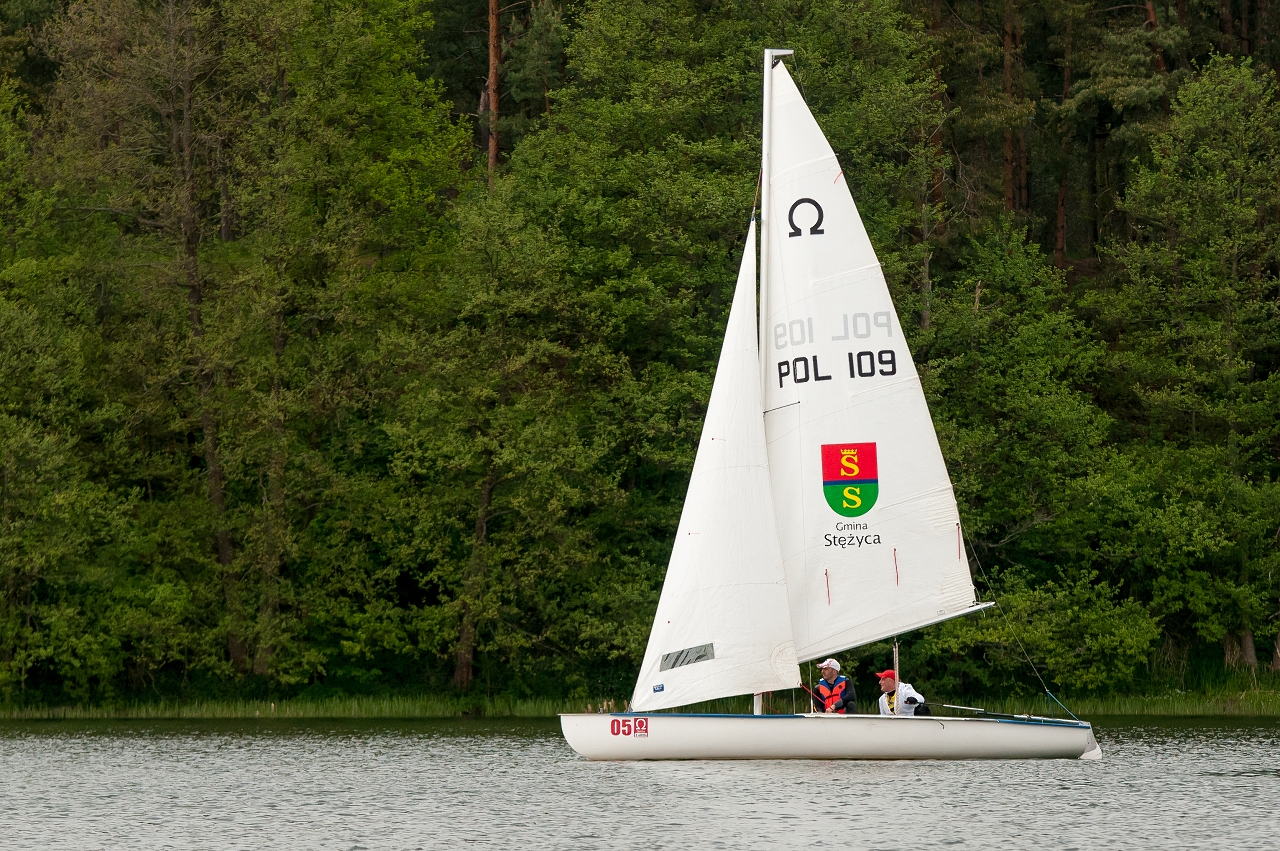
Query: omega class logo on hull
{"x": 850, "y": 477}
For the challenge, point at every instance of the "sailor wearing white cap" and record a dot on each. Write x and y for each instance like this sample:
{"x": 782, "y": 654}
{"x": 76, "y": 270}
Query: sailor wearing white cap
{"x": 834, "y": 694}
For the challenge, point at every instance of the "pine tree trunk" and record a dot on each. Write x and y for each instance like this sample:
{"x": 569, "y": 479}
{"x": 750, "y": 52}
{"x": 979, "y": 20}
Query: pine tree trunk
{"x": 190, "y": 233}
{"x": 236, "y": 647}
{"x": 472, "y": 585}
{"x": 1226, "y": 39}
{"x": 275, "y": 529}
{"x": 1024, "y": 185}
{"x": 495, "y": 59}
{"x": 1008, "y": 93}
{"x": 1183, "y": 60}
{"x": 926, "y": 282}
{"x": 932, "y": 193}
{"x": 1060, "y": 230}
{"x": 1152, "y": 24}
{"x": 1275, "y": 656}
{"x": 935, "y": 139}
{"x": 1024, "y": 179}
{"x": 1094, "y": 142}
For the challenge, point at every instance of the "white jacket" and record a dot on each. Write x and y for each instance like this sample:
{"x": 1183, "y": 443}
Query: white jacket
{"x": 904, "y": 691}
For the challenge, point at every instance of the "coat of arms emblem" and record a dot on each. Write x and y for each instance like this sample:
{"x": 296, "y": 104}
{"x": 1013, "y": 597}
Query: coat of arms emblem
{"x": 850, "y": 477}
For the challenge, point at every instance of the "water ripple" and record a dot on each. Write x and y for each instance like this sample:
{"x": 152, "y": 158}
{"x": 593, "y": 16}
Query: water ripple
{"x": 367, "y": 786}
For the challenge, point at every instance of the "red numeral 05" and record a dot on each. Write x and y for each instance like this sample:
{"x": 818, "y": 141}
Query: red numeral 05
{"x": 620, "y": 727}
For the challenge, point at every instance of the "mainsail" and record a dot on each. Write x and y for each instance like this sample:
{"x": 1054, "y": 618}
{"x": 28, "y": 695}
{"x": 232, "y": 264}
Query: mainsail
{"x": 867, "y": 519}
{"x": 722, "y": 625}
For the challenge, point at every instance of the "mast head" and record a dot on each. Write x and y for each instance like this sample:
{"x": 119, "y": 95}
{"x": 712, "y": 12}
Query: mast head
{"x": 771, "y": 56}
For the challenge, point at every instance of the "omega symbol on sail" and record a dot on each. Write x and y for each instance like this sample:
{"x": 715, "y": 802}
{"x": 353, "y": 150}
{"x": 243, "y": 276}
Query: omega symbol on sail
{"x": 791, "y": 217}
{"x": 850, "y": 477}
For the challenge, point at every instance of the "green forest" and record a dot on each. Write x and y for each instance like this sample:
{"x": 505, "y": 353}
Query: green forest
{"x": 360, "y": 348}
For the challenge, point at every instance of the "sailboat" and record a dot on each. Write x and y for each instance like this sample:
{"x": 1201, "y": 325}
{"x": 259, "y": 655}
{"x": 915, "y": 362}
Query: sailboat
{"x": 819, "y": 515}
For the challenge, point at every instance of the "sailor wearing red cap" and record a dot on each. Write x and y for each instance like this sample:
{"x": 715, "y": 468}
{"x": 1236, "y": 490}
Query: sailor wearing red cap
{"x": 899, "y": 698}
{"x": 834, "y": 694}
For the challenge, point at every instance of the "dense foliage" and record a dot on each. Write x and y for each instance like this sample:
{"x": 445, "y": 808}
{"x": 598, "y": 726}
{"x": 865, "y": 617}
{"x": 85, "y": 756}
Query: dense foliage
{"x": 295, "y": 397}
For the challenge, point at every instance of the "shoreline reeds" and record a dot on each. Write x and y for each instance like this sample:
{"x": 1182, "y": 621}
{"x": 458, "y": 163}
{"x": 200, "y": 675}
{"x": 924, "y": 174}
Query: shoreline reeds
{"x": 354, "y": 707}
{"x": 1246, "y": 703}
{"x": 1176, "y": 704}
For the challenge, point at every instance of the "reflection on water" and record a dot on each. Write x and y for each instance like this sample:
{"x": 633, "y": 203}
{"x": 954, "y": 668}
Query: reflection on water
{"x": 515, "y": 784}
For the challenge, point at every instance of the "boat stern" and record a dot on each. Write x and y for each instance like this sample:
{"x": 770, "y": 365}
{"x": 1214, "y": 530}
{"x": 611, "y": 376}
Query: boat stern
{"x": 1093, "y": 749}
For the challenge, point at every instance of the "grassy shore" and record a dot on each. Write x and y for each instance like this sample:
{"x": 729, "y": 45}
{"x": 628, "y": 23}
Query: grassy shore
{"x": 1249, "y": 702}
{"x": 1235, "y": 703}
{"x": 428, "y": 706}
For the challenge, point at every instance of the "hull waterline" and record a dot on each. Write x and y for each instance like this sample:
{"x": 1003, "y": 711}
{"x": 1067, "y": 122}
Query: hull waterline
{"x": 674, "y": 736}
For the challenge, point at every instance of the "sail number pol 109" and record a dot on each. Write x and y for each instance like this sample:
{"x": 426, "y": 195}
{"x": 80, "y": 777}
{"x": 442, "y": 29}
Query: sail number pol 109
{"x": 861, "y": 365}
{"x": 635, "y": 727}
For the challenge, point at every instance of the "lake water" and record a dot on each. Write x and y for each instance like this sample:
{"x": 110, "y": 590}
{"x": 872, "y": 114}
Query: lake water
{"x": 1162, "y": 784}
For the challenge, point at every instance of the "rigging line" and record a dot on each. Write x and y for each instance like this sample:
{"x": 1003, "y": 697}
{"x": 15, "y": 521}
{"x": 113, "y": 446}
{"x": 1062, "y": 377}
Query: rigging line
{"x": 1014, "y": 633}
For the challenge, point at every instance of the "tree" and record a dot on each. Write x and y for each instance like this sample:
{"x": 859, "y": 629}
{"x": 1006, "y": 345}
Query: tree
{"x": 58, "y": 525}
{"x": 503, "y": 449}
{"x": 302, "y": 392}
{"x": 1073, "y": 630}
{"x": 137, "y": 107}
{"x": 1195, "y": 325}
{"x": 1007, "y": 368}
{"x": 18, "y": 58}
{"x": 275, "y": 179}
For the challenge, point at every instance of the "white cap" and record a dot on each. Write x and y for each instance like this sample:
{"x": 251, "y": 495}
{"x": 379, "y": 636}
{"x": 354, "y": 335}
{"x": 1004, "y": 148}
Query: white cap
{"x": 831, "y": 663}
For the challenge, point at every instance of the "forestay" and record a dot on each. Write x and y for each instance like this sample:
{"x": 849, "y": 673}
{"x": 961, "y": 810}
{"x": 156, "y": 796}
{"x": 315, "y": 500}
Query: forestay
{"x": 867, "y": 519}
{"x": 722, "y": 626}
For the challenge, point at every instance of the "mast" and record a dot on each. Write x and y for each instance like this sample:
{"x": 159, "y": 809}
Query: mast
{"x": 771, "y": 57}
{"x": 897, "y": 677}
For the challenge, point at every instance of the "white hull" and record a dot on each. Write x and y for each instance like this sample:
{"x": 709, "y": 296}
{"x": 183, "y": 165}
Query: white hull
{"x": 673, "y": 736}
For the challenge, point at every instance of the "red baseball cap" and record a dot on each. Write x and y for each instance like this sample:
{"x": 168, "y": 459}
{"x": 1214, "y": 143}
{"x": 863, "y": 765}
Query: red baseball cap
{"x": 890, "y": 674}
